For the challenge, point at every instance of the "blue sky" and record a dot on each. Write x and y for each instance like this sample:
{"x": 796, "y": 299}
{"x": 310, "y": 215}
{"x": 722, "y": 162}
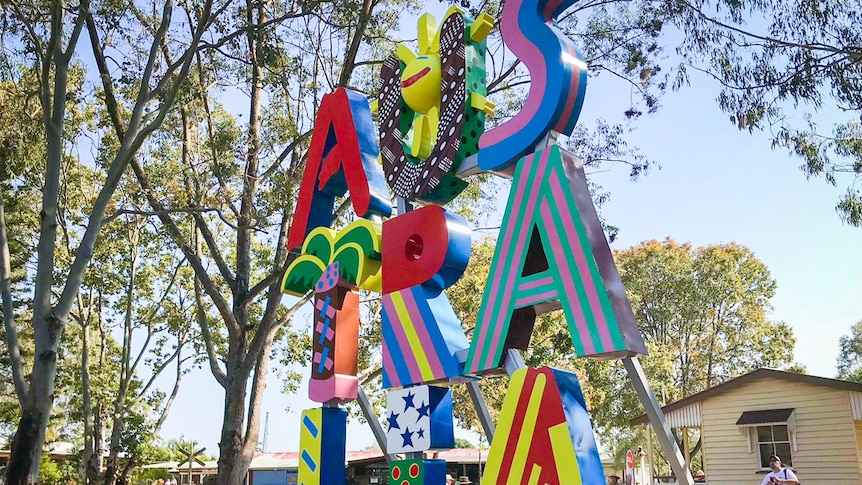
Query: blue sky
{"x": 716, "y": 185}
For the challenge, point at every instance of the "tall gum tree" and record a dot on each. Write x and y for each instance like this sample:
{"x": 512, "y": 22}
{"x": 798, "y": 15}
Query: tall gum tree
{"x": 792, "y": 68}
{"x": 849, "y": 362}
{"x": 47, "y": 34}
{"x": 239, "y": 180}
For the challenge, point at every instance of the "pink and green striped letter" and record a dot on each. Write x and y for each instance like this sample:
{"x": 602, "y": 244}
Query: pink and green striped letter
{"x": 551, "y": 254}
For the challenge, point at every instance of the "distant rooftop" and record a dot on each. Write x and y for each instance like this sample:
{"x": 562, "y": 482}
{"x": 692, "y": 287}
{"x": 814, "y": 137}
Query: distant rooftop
{"x": 289, "y": 460}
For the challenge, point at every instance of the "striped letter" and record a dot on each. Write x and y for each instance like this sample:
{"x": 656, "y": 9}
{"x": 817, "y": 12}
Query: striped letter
{"x": 424, "y": 252}
{"x": 541, "y": 438}
{"x": 557, "y": 87}
{"x": 552, "y": 253}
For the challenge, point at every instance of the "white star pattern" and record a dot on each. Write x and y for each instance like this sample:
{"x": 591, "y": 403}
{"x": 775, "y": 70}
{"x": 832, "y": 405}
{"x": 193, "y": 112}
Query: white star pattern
{"x": 408, "y": 413}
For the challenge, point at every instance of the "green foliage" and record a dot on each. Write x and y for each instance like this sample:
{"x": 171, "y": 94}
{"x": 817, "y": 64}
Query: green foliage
{"x": 53, "y": 472}
{"x": 705, "y": 311}
{"x": 463, "y": 443}
{"x": 776, "y": 58}
{"x": 850, "y": 356}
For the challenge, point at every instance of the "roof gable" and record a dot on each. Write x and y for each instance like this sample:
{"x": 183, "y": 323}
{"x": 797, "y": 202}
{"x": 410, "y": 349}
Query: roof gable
{"x": 751, "y": 377}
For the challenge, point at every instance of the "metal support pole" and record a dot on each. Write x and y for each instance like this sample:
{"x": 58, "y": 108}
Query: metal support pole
{"x": 403, "y": 205}
{"x": 513, "y": 361}
{"x": 481, "y": 409}
{"x": 376, "y": 427}
{"x": 656, "y": 419}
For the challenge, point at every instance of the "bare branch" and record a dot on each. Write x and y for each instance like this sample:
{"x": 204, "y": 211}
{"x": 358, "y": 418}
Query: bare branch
{"x": 9, "y": 312}
{"x": 259, "y": 27}
{"x": 157, "y": 306}
{"x": 284, "y": 153}
{"x": 280, "y": 267}
{"x": 203, "y": 322}
{"x": 174, "y": 391}
{"x": 211, "y": 132}
{"x": 155, "y": 374}
{"x": 807, "y": 46}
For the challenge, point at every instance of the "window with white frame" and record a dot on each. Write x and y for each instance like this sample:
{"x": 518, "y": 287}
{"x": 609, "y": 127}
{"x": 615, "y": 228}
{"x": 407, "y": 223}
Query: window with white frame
{"x": 774, "y": 440}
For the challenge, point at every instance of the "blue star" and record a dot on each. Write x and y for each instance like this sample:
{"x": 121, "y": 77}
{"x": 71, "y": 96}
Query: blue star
{"x": 407, "y": 436}
{"x": 423, "y": 410}
{"x": 420, "y": 433}
{"x": 408, "y": 401}
{"x": 393, "y": 420}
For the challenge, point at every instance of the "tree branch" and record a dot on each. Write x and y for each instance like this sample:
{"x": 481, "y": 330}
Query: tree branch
{"x": 350, "y": 56}
{"x": 9, "y": 312}
{"x": 186, "y": 60}
{"x": 154, "y": 311}
{"x": 814, "y": 46}
{"x": 211, "y": 132}
{"x": 176, "y": 235}
{"x": 184, "y": 210}
{"x": 83, "y": 13}
{"x": 174, "y": 391}
{"x": 203, "y": 322}
{"x": 163, "y": 214}
{"x": 259, "y": 27}
{"x": 274, "y": 299}
{"x": 127, "y": 151}
{"x": 284, "y": 153}
{"x": 156, "y": 372}
{"x": 252, "y": 427}
{"x": 261, "y": 337}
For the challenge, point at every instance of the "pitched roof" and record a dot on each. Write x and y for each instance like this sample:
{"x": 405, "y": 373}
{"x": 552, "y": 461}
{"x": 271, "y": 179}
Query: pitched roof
{"x": 761, "y": 373}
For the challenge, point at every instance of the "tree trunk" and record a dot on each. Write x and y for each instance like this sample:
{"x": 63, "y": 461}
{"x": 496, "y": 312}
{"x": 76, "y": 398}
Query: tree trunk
{"x": 234, "y": 460}
{"x": 23, "y": 468}
{"x": 87, "y": 452}
{"x": 234, "y": 454}
{"x": 126, "y": 368}
{"x": 94, "y": 465}
{"x": 114, "y": 454}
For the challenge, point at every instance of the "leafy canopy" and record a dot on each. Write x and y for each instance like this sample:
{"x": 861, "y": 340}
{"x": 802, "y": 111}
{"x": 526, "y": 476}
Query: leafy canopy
{"x": 850, "y": 356}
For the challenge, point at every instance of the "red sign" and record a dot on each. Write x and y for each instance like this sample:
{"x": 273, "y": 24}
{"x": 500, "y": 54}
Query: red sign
{"x": 630, "y": 468}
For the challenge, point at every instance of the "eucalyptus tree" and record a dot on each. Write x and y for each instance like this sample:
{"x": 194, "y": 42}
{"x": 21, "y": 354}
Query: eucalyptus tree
{"x": 780, "y": 63}
{"x": 145, "y": 287}
{"x": 44, "y": 36}
{"x": 20, "y": 133}
{"x": 849, "y": 360}
{"x": 225, "y": 195}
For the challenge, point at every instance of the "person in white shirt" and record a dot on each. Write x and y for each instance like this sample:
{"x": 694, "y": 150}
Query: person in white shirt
{"x": 779, "y": 474}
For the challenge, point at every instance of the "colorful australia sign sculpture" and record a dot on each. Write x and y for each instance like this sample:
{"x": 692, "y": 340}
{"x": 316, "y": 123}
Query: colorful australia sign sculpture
{"x": 551, "y": 254}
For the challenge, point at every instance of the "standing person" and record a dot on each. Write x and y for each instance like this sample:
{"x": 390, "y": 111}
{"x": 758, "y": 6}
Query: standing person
{"x": 779, "y": 474}
{"x": 449, "y": 480}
